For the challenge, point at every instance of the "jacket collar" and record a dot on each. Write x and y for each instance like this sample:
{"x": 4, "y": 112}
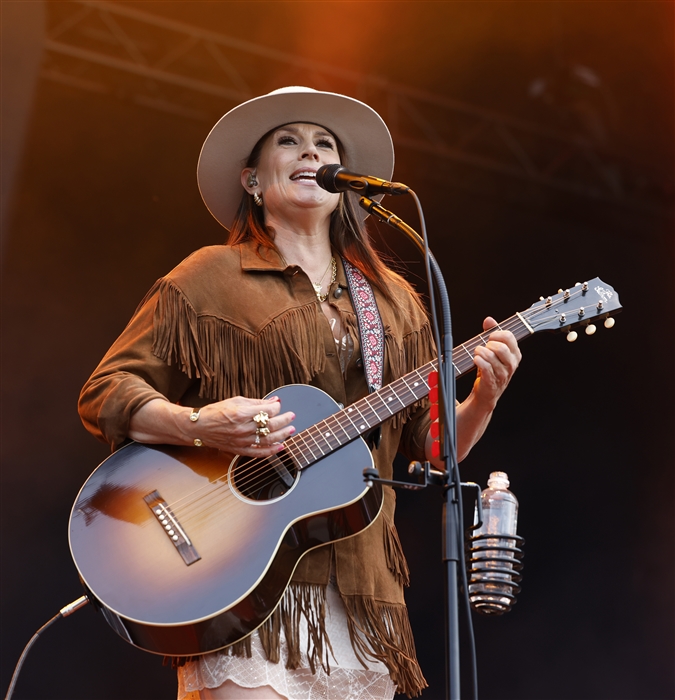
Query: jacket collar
{"x": 255, "y": 257}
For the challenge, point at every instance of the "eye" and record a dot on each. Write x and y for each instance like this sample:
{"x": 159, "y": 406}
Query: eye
{"x": 325, "y": 143}
{"x": 286, "y": 140}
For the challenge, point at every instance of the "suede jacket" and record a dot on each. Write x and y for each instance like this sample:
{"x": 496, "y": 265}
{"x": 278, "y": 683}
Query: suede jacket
{"x": 237, "y": 321}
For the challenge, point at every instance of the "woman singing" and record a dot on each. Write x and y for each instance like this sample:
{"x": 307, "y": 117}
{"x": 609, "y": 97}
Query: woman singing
{"x": 274, "y": 306}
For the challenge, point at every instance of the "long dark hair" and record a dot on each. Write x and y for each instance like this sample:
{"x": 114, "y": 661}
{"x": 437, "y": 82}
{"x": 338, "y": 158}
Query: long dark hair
{"x": 348, "y": 233}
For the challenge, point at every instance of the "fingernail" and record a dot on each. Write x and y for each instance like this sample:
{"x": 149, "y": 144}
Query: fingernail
{"x": 281, "y": 447}
{"x": 292, "y": 430}
{"x": 293, "y": 414}
{"x": 274, "y": 398}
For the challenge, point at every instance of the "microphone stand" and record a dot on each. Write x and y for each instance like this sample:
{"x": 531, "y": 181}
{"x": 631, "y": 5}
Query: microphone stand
{"x": 452, "y": 536}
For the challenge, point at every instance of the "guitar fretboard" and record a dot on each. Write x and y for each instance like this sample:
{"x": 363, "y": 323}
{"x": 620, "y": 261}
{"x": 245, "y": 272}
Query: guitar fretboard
{"x": 351, "y": 422}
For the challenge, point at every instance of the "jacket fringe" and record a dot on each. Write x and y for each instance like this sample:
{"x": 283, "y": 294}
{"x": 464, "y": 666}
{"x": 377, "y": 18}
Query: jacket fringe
{"x": 406, "y": 355}
{"x": 393, "y": 552}
{"x": 241, "y": 648}
{"x": 382, "y": 631}
{"x": 230, "y": 361}
{"x": 300, "y": 600}
{"x": 377, "y": 630}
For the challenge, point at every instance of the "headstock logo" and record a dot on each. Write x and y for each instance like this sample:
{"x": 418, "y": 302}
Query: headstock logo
{"x": 604, "y": 294}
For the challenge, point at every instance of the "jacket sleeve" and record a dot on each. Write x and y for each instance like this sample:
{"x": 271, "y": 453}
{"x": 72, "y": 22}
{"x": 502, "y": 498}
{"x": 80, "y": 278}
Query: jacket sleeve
{"x": 414, "y": 434}
{"x": 129, "y": 376}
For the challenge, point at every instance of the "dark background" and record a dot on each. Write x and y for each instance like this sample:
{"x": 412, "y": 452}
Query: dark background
{"x": 101, "y": 200}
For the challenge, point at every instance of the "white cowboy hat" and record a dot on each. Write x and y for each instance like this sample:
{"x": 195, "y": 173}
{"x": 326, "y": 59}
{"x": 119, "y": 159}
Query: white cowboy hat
{"x": 364, "y": 136}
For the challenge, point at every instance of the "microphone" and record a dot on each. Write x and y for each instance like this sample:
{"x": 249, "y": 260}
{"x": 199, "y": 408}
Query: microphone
{"x": 336, "y": 178}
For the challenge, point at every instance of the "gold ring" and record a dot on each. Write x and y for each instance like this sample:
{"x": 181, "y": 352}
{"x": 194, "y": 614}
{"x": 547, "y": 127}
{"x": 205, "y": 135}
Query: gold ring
{"x": 261, "y": 420}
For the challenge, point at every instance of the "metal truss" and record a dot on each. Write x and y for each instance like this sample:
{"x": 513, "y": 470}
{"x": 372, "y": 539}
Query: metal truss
{"x": 110, "y": 48}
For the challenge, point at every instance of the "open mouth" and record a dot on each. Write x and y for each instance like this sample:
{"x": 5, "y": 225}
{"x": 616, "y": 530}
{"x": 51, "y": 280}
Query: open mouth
{"x": 304, "y": 175}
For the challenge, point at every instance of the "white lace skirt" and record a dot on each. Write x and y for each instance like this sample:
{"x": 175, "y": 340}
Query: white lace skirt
{"x": 347, "y": 679}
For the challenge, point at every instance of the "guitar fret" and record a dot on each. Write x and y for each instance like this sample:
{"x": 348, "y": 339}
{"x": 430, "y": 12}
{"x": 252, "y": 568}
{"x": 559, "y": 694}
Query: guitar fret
{"x": 386, "y": 405}
{"x": 351, "y": 422}
{"x": 306, "y": 448}
{"x": 343, "y": 419}
{"x": 297, "y": 452}
{"x": 373, "y": 410}
{"x": 360, "y": 428}
{"x": 382, "y": 405}
{"x": 346, "y": 412}
{"x": 328, "y": 435}
{"x": 310, "y": 433}
{"x": 319, "y": 438}
{"x": 410, "y": 391}
{"x": 391, "y": 390}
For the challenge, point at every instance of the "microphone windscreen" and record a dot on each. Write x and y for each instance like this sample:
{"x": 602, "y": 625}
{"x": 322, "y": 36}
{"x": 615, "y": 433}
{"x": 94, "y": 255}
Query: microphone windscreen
{"x": 325, "y": 176}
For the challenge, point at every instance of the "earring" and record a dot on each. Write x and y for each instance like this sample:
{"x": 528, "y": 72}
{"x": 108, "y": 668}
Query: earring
{"x": 257, "y": 198}
{"x": 251, "y": 181}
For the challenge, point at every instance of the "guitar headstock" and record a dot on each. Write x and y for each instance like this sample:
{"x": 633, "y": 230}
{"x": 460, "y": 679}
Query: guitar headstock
{"x": 582, "y": 305}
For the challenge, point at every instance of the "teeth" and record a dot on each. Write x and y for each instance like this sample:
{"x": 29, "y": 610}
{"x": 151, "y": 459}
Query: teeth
{"x": 307, "y": 174}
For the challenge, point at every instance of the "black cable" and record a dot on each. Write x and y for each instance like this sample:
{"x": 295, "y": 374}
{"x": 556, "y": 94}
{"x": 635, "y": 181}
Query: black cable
{"x": 64, "y": 612}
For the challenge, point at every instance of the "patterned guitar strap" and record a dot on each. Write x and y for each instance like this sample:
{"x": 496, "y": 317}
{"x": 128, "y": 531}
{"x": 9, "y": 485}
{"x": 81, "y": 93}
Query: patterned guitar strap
{"x": 371, "y": 333}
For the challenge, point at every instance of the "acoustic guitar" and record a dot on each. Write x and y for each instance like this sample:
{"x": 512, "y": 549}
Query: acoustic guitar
{"x": 187, "y": 550}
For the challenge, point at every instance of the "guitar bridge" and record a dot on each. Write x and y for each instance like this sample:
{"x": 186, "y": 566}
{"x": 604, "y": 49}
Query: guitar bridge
{"x": 172, "y": 528}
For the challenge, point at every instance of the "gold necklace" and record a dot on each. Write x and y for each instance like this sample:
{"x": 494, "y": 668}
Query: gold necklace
{"x": 317, "y": 285}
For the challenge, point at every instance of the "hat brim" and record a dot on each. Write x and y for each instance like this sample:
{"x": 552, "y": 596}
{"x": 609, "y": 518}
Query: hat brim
{"x": 364, "y": 136}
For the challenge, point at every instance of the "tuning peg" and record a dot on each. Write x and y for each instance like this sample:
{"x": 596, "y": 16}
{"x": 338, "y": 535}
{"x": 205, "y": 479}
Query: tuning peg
{"x": 572, "y": 336}
{"x": 609, "y": 322}
{"x": 590, "y": 329}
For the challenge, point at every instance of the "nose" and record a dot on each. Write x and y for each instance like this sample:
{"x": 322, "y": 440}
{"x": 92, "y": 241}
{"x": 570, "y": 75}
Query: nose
{"x": 310, "y": 152}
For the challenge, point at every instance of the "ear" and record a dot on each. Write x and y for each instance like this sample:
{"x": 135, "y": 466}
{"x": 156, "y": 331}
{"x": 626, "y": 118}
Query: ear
{"x": 245, "y": 173}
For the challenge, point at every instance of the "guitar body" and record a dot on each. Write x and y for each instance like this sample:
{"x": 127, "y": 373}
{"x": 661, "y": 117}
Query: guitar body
{"x": 247, "y": 525}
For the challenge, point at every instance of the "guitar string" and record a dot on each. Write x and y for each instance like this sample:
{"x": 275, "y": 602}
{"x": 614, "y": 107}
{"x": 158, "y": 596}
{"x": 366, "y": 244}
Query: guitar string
{"x": 253, "y": 469}
{"x": 241, "y": 487}
{"x": 404, "y": 396}
{"x": 250, "y": 468}
{"x": 307, "y": 453}
{"x": 212, "y": 499}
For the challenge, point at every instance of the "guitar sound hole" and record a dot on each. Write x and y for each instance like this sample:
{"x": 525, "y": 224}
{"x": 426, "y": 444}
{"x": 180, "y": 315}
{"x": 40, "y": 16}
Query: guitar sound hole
{"x": 264, "y": 479}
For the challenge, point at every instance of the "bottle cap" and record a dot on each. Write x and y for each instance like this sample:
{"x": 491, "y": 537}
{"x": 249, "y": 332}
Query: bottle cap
{"x": 498, "y": 480}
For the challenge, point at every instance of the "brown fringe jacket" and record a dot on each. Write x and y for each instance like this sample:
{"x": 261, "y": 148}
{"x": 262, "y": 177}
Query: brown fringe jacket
{"x": 234, "y": 320}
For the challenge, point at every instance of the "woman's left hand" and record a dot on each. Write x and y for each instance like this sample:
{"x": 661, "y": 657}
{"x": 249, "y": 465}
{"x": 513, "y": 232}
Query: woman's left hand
{"x": 496, "y": 362}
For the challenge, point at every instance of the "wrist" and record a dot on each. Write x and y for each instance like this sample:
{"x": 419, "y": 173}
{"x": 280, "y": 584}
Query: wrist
{"x": 181, "y": 425}
{"x": 479, "y": 404}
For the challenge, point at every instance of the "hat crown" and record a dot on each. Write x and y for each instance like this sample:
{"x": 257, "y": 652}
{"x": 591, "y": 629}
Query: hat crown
{"x": 364, "y": 136}
{"x": 291, "y": 89}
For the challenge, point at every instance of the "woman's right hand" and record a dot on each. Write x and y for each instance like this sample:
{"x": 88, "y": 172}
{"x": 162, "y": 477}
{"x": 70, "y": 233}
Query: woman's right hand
{"x": 227, "y": 425}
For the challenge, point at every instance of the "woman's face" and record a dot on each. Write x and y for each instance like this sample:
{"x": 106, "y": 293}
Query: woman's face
{"x": 286, "y": 172}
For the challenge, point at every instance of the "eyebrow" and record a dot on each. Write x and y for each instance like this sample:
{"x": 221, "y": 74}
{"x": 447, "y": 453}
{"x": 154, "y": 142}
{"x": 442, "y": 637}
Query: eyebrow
{"x": 295, "y": 130}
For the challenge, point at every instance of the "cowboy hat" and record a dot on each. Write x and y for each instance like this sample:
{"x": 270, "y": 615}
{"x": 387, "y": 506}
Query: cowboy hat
{"x": 363, "y": 134}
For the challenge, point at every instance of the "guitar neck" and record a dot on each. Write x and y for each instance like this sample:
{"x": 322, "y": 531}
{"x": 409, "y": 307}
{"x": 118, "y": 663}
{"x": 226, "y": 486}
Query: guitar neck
{"x": 367, "y": 413}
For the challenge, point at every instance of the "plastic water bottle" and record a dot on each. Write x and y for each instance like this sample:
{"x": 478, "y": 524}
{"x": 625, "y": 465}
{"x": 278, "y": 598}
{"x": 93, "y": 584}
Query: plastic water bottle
{"x": 493, "y": 581}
